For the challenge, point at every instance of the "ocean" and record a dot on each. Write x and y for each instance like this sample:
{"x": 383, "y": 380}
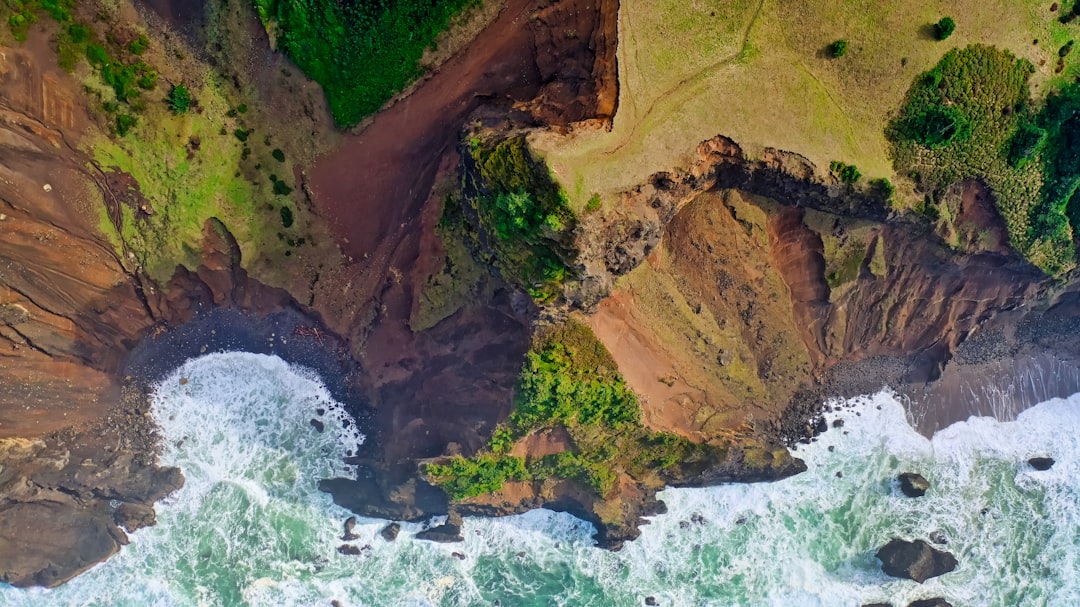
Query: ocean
{"x": 251, "y": 528}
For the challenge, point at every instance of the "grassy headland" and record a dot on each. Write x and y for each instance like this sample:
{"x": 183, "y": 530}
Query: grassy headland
{"x": 760, "y": 72}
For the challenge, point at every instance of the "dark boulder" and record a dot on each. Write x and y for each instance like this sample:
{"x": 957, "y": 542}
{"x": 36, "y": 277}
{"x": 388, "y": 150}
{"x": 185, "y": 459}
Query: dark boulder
{"x": 318, "y": 425}
{"x": 446, "y": 533}
{"x": 349, "y": 549}
{"x": 1041, "y": 463}
{"x": 651, "y": 601}
{"x": 938, "y": 537}
{"x": 916, "y": 560}
{"x": 935, "y": 602}
{"x": 878, "y": 605}
{"x": 350, "y": 524}
{"x": 390, "y": 532}
{"x": 913, "y": 485}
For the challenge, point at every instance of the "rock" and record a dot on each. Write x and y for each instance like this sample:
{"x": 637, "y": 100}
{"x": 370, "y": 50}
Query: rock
{"x": 935, "y": 602}
{"x": 938, "y": 537}
{"x": 54, "y": 542}
{"x": 350, "y": 524}
{"x": 1041, "y": 463}
{"x": 349, "y": 549}
{"x": 318, "y": 425}
{"x": 839, "y": 474}
{"x": 446, "y": 533}
{"x": 390, "y": 532}
{"x": 913, "y": 485}
{"x": 134, "y": 516}
{"x": 335, "y": 603}
{"x": 459, "y": 556}
{"x": 916, "y": 560}
{"x": 877, "y": 605}
{"x": 651, "y": 601}
{"x": 838, "y": 423}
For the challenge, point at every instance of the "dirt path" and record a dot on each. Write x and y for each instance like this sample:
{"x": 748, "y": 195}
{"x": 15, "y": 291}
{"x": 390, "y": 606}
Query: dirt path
{"x": 375, "y": 184}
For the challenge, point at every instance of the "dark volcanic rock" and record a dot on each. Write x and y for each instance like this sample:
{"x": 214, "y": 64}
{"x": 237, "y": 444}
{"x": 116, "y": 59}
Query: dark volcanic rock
{"x": 913, "y": 485}
{"x": 878, "y": 605}
{"x": 390, "y": 532}
{"x": 1041, "y": 463}
{"x": 935, "y": 602}
{"x": 446, "y": 533}
{"x": 318, "y": 425}
{"x": 350, "y": 524}
{"x": 938, "y": 537}
{"x": 916, "y": 560}
{"x": 651, "y": 601}
{"x": 349, "y": 549}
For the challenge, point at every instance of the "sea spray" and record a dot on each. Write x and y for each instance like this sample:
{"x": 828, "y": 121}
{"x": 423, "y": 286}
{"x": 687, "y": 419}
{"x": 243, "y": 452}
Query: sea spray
{"x": 250, "y": 527}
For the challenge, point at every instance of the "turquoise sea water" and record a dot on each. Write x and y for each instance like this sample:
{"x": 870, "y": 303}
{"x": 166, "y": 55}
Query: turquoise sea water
{"x": 250, "y": 527}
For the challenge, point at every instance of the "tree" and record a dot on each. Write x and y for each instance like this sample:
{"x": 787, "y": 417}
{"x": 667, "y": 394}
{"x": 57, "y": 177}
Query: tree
{"x": 839, "y": 48}
{"x": 944, "y": 28}
{"x": 178, "y": 99}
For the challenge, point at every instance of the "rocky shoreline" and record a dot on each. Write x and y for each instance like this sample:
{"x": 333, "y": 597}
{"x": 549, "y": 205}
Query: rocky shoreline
{"x": 94, "y": 339}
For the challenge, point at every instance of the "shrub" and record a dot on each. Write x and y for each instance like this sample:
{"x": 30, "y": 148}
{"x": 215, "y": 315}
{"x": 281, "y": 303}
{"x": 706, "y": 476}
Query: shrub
{"x": 241, "y": 134}
{"x": 839, "y": 48}
{"x": 944, "y": 28}
{"x": 278, "y": 155}
{"x": 463, "y": 478}
{"x": 178, "y": 99}
{"x": 139, "y": 45}
{"x": 883, "y": 187}
{"x": 286, "y": 217}
{"x": 847, "y": 173}
{"x": 124, "y": 123}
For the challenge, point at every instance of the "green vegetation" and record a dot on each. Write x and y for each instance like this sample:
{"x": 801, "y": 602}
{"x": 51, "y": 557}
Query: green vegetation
{"x": 944, "y": 28}
{"x": 139, "y": 45}
{"x": 486, "y": 473}
{"x": 972, "y": 116}
{"x": 178, "y": 99}
{"x": 838, "y": 49}
{"x": 278, "y": 155}
{"x": 124, "y": 123}
{"x": 846, "y": 173}
{"x": 362, "y": 53}
{"x": 523, "y": 216}
{"x": 570, "y": 381}
{"x": 883, "y": 187}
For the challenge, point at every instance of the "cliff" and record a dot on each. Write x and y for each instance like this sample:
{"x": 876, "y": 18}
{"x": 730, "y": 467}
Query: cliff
{"x": 733, "y": 294}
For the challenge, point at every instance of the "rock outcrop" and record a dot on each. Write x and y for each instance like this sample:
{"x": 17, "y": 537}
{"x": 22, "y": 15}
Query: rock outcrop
{"x": 1041, "y": 463}
{"x": 915, "y": 560}
{"x": 913, "y": 485}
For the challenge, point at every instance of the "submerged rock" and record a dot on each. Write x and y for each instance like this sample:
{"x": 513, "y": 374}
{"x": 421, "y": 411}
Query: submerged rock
{"x": 916, "y": 560}
{"x": 390, "y": 532}
{"x": 938, "y": 537}
{"x": 651, "y": 601}
{"x": 935, "y": 602}
{"x": 1041, "y": 463}
{"x": 913, "y": 485}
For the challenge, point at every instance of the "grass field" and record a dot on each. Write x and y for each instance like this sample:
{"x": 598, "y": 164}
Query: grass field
{"x": 758, "y": 71}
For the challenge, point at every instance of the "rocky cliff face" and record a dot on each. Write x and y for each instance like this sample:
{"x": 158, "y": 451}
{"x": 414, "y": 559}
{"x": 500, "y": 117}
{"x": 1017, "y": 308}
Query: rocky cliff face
{"x": 734, "y": 295}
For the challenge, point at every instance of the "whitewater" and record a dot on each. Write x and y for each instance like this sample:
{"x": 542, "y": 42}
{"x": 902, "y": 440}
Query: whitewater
{"x": 250, "y": 527}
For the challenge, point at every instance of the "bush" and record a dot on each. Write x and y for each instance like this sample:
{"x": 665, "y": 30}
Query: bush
{"x": 278, "y": 155}
{"x": 124, "y": 123}
{"x": 463, "y": 478}
{"x": 884, "y": 188}
{"x": 839, "y": 48}
{"x": 139, "y": 45}
{"x": 286, "y": 217}
{"x": 944, "y": 28}
{"x": 178, "y": 99}
{"x": 847, "y": 173}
